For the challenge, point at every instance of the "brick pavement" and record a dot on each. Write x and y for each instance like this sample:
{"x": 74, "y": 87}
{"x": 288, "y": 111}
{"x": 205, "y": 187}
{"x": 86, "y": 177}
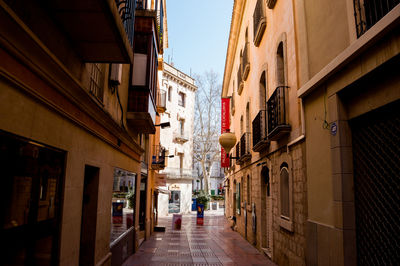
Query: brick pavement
{"x": 214, "y": 243}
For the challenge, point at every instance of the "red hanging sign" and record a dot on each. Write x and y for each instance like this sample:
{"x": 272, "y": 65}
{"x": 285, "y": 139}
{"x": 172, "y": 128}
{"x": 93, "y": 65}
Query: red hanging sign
{"x": 225, "y": 104}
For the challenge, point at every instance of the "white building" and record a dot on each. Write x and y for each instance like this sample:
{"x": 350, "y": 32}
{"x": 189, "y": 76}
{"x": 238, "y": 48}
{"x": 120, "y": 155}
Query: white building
{"x": 180, "y": 90}
{"x": 216, "y": 178}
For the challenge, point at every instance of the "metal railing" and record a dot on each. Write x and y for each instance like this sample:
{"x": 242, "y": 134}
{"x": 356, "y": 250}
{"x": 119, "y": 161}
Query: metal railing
{"x": 259, "y": 128}
{"x": 259, "y": 22}
{"x": 126, "y": 9}
{"x": 245, "y": 145}
{"x": 368, "y": 12}
{"x": 159, "y": 9}
{"x": 246, "y": 61}
{"x": 158, "y": 159}
{"x": 276, "y": 110}
{"x": 237, "y": 150}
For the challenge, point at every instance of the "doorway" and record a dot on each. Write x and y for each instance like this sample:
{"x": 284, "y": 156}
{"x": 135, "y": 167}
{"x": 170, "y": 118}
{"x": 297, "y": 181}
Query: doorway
{"x": 142, "y": 204}
{"x": 30, "y": 201}
{"x": 266, "y": 212}
{"x": 376, "y": 145}
{"x": 89, "y": 216}
{"x": 174, "y": 205}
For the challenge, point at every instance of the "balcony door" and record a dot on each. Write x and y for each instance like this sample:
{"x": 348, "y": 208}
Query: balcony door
{"x": 30, "y": 196}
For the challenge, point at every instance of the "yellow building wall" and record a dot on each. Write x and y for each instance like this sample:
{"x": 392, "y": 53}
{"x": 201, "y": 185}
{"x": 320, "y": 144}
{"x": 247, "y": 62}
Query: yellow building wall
{"x": 21, "y": 115}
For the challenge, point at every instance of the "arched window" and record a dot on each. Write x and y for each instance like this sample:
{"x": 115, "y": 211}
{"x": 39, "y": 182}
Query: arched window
{"x": 241, "y": 125}
{"x": 248, "y": 117}
{"x": 263, "y": 91}
{"x": 284, "y": 191}
{"x": 280, "y": 65}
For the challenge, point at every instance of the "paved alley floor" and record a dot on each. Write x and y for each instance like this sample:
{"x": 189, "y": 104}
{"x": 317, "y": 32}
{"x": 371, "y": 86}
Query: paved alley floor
{"x": 214, "y": 243}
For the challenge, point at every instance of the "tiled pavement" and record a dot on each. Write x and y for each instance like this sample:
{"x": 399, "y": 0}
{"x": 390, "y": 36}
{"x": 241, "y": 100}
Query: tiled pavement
{"x": 214, "y": 243}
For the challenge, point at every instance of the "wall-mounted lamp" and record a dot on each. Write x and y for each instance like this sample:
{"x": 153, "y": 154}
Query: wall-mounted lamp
{"x": 227, "y": 140}
{"x": 163, "y": 125}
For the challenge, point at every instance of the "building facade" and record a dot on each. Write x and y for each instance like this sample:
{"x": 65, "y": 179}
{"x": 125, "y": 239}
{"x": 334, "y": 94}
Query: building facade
{"x": 350, "y": 89}
{"x": 266, "y": 182}
{"x": 75, "y": 135}
{"x": 177, "y": 140}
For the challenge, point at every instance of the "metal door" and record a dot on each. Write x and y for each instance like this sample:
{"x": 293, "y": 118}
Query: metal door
{"x": 376, "y": 155}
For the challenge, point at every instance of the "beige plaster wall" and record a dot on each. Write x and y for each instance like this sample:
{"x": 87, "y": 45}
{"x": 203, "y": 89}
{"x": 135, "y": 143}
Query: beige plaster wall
{"x": 21, "y": 115}
{"x": 327, "y": 31}
{"x": 319, "y": 170}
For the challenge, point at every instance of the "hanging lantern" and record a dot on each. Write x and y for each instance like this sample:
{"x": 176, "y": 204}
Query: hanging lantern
{"x": 227, "y": 141}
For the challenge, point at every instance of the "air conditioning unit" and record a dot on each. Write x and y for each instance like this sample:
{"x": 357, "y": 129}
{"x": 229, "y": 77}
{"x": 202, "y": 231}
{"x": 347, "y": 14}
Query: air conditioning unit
{"x": 115, "y": 74}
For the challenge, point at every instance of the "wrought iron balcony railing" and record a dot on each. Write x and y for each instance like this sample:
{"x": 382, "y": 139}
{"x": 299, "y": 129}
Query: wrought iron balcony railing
{"x": 276, "y": 109}
{"x": 237, "y": 151}
{"x": 158, "y": 159}
{"x": 158, "y": 12}
{"x": 246, "y": 61}
{"x": 368, "y": 12}
{"x": 126, "y": 9}
{"x": 245, "y": 153}
{"x": 260, "y": 141}
{"x": 259, "y": 22}
{"x": 161, "y": 101}
{"x": 240, "y": 83}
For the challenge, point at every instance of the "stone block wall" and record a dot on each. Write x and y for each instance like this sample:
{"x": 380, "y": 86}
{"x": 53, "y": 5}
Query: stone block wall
{"x": 289, "y": 246}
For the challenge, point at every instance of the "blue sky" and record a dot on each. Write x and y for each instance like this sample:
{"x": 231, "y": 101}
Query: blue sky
{"x": 198, "y": 32}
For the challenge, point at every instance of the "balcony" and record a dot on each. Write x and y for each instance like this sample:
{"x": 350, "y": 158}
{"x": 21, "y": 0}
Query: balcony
{"x": 179, "y": 173}
{"x": 141, "y": 115}
{"x": 180, "y": 137}
{"x": 260, "y": 141}
{"x": 368, "y": 12}
{"x": 245, "y": 153}
{"x": 150, "y": 18}
{"x": 240, "y": 82}
{"x": 101, "y": 31}
{"x": 237, "y": 153}
{"x": 246, "y": 61}
{"x": 158, "y": 159}
{"x": 276, "y": 109}
{"x": 259, "y": 22}
{"x": 161, "y": 101}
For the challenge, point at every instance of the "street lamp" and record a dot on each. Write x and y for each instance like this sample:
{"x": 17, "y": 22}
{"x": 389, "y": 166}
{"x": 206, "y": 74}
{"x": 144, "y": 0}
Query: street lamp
{"x": 163, "y": 125}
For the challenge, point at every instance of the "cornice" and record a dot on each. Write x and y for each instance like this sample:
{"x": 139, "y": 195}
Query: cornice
{"x": 236, "y": 22}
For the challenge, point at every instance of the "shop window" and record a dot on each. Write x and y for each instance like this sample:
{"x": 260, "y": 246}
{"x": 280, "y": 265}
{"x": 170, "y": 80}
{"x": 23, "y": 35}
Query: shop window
{"x": 123, "y": 202}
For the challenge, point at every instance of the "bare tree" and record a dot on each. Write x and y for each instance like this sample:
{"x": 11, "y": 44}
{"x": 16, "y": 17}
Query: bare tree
{"x": 207, "y": 125}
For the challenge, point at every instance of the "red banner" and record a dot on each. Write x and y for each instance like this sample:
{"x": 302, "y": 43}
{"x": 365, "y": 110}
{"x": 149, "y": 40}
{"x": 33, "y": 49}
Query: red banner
{"x": 225, "y": 105}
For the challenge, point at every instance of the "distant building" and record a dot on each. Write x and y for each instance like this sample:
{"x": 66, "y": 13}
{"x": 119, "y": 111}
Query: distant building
{"x": 216, "y": 178}
{"x": 177, "y": 140}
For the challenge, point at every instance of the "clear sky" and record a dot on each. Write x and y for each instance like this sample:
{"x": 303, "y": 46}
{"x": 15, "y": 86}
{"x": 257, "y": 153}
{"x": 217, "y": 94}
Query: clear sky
{"x": 198, "y": 32}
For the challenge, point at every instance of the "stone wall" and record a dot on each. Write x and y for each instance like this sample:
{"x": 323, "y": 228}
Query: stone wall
{"x": 289, "y": 246}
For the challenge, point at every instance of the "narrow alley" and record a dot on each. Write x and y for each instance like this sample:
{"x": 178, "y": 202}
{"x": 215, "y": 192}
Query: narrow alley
{"x": 214, "y": 243}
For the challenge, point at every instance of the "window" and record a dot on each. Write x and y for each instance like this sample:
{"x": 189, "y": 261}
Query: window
{"x": 181, "y": 99}
{"x": 285, "y": 196}
{"x": 280, "y": 65}
{"x": 182, "y": 127}
{"x": 284, "y": 186}
{"x": 248, "y": 189}
{"x": 169, "y": 93}
{"x": 97, "y": 81}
